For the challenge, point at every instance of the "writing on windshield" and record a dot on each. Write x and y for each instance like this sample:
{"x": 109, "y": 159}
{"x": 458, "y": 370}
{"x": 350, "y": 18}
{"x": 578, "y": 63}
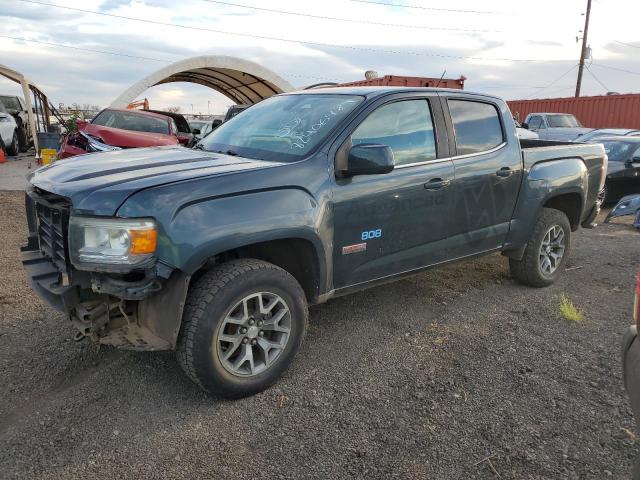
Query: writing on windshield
{"x": 283, "y": 127}
{"x": 296, "y": 128}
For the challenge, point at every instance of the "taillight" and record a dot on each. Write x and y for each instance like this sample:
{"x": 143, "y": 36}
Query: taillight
{"x": 636, "y": 303}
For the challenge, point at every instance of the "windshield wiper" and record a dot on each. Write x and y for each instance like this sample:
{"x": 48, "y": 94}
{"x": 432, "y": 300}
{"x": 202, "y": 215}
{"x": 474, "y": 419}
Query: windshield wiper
{"x": 198, "y": 146}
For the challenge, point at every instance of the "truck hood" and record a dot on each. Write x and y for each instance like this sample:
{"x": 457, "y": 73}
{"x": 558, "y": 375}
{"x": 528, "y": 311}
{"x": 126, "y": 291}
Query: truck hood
{"x": 99, "y": 183}
{"x": 128, "y": 138}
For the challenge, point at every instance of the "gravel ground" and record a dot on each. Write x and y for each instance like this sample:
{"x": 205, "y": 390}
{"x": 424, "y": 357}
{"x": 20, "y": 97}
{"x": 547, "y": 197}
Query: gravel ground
{"x": 423, "y": 378}
{"x": 13, "y": 173}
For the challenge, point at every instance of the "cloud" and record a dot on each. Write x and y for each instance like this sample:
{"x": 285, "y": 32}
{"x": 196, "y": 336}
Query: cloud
{"x": 73, "y": 75}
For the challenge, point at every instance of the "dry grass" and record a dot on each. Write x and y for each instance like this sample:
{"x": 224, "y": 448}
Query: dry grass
{"x": 569, "y": 311}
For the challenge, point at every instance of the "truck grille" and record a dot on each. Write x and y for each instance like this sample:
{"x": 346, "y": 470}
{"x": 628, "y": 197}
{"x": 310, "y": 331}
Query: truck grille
{"x": 51, "y": 224}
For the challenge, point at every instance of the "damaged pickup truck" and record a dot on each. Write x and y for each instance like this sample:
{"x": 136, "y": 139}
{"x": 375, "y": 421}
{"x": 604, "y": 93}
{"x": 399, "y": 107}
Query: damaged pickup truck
{"x": 216, "y": 252}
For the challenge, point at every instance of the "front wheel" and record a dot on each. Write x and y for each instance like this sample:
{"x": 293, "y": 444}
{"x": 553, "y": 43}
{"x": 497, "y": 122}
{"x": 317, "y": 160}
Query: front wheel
{"x": 243, "y": 323}
{"x": 546, "y": 252}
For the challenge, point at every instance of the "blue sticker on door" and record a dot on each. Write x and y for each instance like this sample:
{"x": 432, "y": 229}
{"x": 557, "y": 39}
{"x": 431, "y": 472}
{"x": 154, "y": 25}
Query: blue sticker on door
{"x": 371, "y": 234}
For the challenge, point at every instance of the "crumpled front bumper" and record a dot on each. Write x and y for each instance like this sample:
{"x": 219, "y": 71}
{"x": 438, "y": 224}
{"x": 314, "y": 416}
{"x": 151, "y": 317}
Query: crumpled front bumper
{"x": 631, "y": 369}
{"x": 629, "y": 205}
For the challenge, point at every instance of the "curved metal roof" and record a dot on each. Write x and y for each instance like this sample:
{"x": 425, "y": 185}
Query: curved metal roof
{"x": 240, "y": 80}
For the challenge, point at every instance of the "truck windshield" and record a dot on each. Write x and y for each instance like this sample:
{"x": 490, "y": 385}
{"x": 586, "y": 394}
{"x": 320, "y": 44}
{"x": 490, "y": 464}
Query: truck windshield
{"x": 559, "y": 121}
{"x": 283, "y": 128}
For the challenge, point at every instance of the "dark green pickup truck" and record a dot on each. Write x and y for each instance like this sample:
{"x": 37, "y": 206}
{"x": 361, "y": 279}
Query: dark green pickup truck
{"x": 217, "y": 251}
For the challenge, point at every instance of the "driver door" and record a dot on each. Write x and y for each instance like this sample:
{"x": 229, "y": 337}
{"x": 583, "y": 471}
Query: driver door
{"x": 391, "y": 223}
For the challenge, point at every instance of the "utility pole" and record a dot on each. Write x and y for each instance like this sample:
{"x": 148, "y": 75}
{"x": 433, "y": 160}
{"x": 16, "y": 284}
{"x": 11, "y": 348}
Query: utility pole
{"x": 583, "y": 52}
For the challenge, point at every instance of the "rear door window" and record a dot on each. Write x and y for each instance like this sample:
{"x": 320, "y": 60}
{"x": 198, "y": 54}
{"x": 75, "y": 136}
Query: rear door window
{"x": 405, "y": 126}
{"x": 477, "y": 126}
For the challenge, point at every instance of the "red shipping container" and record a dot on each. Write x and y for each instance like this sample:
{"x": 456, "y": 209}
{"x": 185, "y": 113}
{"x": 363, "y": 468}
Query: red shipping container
{"x": 400, "y": 81}
{"x": 602, "y": 111}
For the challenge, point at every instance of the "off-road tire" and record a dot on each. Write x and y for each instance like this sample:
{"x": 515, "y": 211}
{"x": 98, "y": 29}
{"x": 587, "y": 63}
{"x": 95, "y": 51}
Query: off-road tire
{"x": 208, "y": 302}
{"x": 23, "y": 141}
{"x": 527, "y": 270}
{"x": 12, "y": 148}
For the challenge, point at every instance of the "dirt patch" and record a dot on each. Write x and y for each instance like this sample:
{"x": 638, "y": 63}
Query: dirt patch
{"x": 456, "y": 373}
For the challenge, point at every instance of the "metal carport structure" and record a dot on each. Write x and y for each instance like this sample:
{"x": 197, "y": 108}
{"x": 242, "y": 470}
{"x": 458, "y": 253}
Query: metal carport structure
{"x": 41, "y": 102}
{"x": 242, "y": 81}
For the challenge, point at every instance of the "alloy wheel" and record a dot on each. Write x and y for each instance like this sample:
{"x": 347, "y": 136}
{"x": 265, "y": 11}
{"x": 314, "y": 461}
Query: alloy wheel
{"x": 552, "y": 250}
{"x": 254, "y": 334}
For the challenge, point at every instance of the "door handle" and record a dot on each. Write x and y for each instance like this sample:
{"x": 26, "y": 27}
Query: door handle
{"x": 436, "y": 184}
{"x": 504, "y": 172}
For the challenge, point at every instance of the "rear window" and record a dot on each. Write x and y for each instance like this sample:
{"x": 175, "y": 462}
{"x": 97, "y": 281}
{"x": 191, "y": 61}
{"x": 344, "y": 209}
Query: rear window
{"x": 562, "y": 121}
{"x": 477, "y": 126}
{"x": 131, "y": 121}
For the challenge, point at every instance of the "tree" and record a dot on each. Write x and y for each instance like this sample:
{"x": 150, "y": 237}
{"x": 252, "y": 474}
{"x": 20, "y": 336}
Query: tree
{"x": 173, "y": 109}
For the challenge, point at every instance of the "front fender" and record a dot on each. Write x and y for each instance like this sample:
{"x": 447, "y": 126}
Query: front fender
{"x": 191, "y": 233}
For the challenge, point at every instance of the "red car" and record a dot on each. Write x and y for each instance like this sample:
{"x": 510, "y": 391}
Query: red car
{"x": 114, "y": 129}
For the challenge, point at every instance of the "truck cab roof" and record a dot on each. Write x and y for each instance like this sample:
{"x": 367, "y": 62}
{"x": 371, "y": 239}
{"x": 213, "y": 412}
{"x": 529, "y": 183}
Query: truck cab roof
{"x": 371, "y": 92}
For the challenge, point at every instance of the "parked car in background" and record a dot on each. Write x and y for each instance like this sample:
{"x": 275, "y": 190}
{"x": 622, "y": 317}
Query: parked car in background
{"x": 16, "y": 107}
{"x": 607, "y": 132}
{"x": 8, "y": 132}
{"x": 623, "y": 170}
{"x": 202, "y": 128}
{"x": 555, "y": 126}
{"x": 114, "y": 129}
{"x": 304, "y": 197}
{"x": 631, "y": 364}
{"x": 235, "y": 110}
{"x": 181, "y": 127}
{"x": 525, "y": 134}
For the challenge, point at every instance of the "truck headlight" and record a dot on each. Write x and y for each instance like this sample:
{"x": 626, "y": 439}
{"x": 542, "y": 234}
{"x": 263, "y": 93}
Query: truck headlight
{"x": 111, "y": 241}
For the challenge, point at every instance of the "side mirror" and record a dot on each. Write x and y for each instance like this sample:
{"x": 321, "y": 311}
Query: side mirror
{"x": 525, "y": 125}
{"x": 195, "y": 131}
{"x": 368, "y": 159}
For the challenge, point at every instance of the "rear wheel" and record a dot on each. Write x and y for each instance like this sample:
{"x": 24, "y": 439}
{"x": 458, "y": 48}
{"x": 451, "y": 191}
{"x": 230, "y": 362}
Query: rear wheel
{"x": 23, "y": 141}
{"x": 243, "y": 323}
{"x": 13, "y": 149}
{"x": 546, "y": 252}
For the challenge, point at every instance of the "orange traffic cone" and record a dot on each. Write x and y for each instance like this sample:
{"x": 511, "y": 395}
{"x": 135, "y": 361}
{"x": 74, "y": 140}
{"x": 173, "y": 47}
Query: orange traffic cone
{"x": 3, "y": 158}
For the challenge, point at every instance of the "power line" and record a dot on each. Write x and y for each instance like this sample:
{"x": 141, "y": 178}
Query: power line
{"x": 120, "y": 54}
{"x": 615, "y": 68}
{"x": 555, "y": 81}
{"x": 289, "y": 40}
{"x": 596, "y": 78}
{"x": 419, "y": 7}
{"x": 340, "y": 19}
{"x": 86, "y": 49}
{"x": 627, "y": 44}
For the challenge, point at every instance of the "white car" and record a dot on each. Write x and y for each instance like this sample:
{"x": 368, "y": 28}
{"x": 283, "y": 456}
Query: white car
{"x": 8, "y": 132}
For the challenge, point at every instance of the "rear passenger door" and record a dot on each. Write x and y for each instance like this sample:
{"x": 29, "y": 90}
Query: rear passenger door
{"x": 392, "y": 223}
{"x": 488, "y": 172}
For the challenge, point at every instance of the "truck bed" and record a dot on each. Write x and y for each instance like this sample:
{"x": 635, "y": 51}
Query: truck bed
{"x": 536, "y": 151}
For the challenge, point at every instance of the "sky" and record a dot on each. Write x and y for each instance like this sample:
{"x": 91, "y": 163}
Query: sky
{"x": 514, "y": 49}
